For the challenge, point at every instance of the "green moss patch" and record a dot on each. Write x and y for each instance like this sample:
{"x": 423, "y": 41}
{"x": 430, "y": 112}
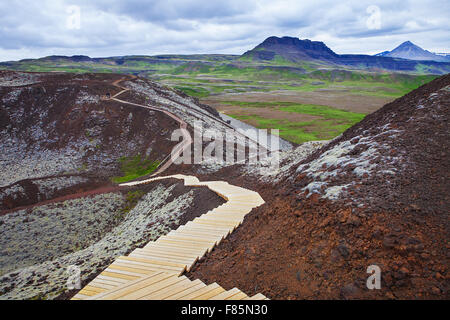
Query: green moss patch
{"x": 135, "y": 167}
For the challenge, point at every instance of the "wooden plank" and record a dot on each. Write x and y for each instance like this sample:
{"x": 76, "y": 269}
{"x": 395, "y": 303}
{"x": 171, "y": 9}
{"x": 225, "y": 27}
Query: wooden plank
{"x": 101, "y": 285}
{"x": 188, "y": 239}
{"x": 200, "y": 292}
{"x": 166, "y": 257}
{"x": 174, "y": 247}
{"x": 188, "y": 245}
{"x": 183, "y": 293}
{"x": 154, "y": 261}
{"x": 147, "y": 290}
{"x": 221, "y": 218}
{"x": 175, "y": 289}
{"x": 231, "y": 225}
{"x": 258, "y": 296}
{"x": 212, "y": 222}
{"x": 93, "y": 288}
{"x": 227, "y": 214}
{"x": 184, "y": 244}
{"x": 112, "y": 279}
{"x": 193, "y": 234}
{"x": 89, "y": 293}
{"x": 213, "y": 234}
{"x": 172, "y": 251}
{"x": 239, "y": 207}
{"x": 198, "y": 252}
{"x": 80, "y": 296}
{"x": 206, "y": 231}
{"x": 182, "y": 237}
{"x": 188, "y": 264}
{"x": 226, "y": 294}
{"x": 224, "y": 232}
{"x": 238, "y": 296}
{"x": 106, "y": 282}
{"x": 125, "y": 269}
{"x": 163, "y": 257}
{"x": 135, "y": 285}
{"x": 218, "y": 228}
{"x": 141, "y": 268}
{"x": 244, "y": 203}
{"x": 180, "y": 285}
{"x": 116, "y": 274}
{"x": 210, "y": 294}
{"x": 244, "y": 209}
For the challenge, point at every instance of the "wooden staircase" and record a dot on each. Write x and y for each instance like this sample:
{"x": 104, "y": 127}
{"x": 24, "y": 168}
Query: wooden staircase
{"x": 155, "y": 271}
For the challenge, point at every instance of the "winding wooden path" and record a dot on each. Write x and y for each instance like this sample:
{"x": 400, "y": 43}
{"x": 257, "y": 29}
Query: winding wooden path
{"x": 154, "y": 272}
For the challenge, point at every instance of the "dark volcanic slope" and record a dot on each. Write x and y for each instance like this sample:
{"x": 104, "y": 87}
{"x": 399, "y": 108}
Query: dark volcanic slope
{"x": 57, "y": 124}
{"x": 379, "y": 194}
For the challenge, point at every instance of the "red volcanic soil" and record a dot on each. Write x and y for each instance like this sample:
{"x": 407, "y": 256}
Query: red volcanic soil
{"x": 300, "y": 245}
{"x": 75, "y": 194}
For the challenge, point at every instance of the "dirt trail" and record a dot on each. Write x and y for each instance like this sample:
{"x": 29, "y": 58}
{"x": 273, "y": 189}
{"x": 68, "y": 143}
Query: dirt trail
{"x": 66, "y": 197}
{"x": 179, "y": 148}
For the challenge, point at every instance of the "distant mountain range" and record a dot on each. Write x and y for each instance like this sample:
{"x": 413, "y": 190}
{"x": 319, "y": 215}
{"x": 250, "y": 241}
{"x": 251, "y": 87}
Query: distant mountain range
{"x": 284, "y": 52}
{"x": 296, "y": 50}
{"x": 408, "y": 50}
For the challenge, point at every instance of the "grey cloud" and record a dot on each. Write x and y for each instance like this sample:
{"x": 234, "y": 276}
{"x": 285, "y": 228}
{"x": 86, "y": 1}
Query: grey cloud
{"x": 166, "y": 10}
{"x": 113, "y": 27}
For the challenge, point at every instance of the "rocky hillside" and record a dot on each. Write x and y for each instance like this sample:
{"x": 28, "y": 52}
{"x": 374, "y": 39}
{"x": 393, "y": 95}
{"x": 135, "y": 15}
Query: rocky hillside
{"x": 55, "y": 124}
{"x": 376, "y": 195}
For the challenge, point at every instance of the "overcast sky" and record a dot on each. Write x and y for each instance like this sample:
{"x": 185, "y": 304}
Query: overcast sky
{"x": 37, "y": 28}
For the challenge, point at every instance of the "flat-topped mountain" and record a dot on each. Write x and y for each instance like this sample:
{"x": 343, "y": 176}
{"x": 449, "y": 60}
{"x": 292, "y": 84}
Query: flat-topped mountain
{"x": 292, "y": 49}
{"x": 408, "y": 50}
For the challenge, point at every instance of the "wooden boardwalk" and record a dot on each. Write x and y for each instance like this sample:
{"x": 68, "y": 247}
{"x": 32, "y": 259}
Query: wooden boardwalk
{"x": 155, "y": 271}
